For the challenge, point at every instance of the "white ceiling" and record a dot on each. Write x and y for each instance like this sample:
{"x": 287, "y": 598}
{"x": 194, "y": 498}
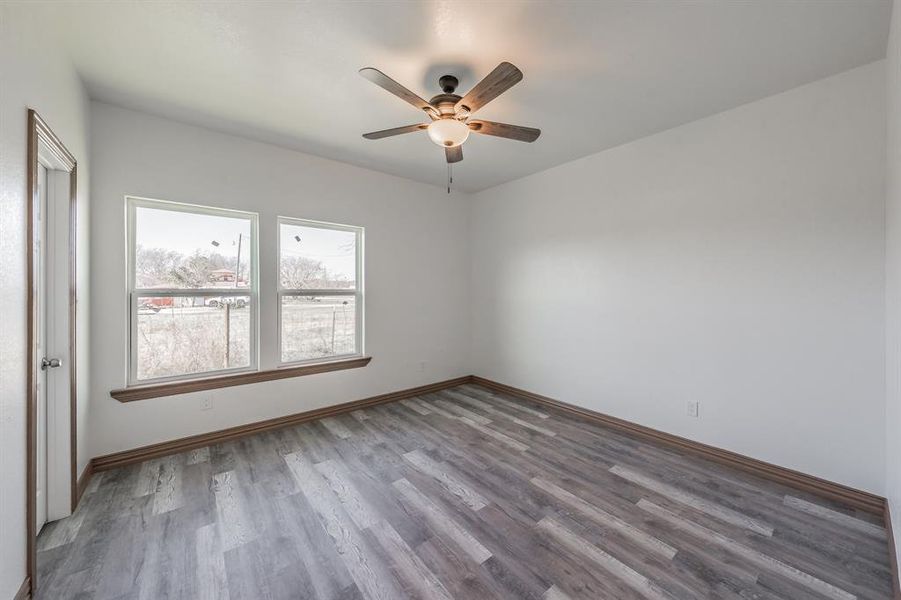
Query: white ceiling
{"x": 597, "y": 74}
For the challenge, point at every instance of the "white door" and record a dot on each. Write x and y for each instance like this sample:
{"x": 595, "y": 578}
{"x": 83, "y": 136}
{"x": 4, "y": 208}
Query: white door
{"x": 52, "y": 338}
{"x": 40, "y": 262}
{"x": 51, "y": 277}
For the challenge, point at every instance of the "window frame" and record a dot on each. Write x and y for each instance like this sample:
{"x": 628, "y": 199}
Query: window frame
{"x": 357, "y": 292}
{"x": 134, "y": 294}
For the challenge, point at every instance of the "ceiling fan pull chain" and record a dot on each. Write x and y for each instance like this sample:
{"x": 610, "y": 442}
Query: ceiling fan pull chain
{"x": 450, "y": 177}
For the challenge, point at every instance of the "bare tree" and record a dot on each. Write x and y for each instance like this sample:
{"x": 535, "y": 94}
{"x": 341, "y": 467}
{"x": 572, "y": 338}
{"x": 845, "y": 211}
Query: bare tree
{"x": 299, "y": 272}
{"x": 154, "y": 266}
{"x": 194, "y": 271}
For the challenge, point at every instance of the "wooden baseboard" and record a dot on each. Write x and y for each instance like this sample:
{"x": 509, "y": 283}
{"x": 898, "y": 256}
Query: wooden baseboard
{"x": 834, "y": 491}
{"x": 24, "y": 592}
{"x": 119, "y": 459}
{"x": 892, "y": 554}
{"x": 83, "y": 480}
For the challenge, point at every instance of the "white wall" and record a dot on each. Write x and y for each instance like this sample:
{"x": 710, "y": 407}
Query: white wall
{"x": 417, "y": 265}
{"x": 736, "y": 261}
{"x": 33, "y": 74}
{"x": 893, "y": 275}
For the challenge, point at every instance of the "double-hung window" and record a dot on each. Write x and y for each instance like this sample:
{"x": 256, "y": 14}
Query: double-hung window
{"x": 193, "y": 291}
{"x": 320, "y": 294}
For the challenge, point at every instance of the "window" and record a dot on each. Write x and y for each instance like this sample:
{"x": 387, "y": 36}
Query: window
{"x": 194, "y": 300}
{"x": 320, "y": 296}
{"x": 192, "y": 273}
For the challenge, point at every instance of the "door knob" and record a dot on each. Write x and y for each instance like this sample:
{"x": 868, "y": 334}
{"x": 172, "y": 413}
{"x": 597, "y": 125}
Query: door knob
{"x": 50, "y": 362}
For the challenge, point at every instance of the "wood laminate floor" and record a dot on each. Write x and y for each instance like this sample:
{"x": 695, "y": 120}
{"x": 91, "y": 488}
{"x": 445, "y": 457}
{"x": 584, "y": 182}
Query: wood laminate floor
{"x": 460, "y": 494}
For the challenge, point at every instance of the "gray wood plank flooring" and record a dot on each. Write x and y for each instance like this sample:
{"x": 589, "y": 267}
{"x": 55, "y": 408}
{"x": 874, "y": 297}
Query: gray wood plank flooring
{"x": 464, "y": 494}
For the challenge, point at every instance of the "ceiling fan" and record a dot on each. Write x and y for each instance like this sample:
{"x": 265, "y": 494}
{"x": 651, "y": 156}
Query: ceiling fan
{"x": 451, "y": 114}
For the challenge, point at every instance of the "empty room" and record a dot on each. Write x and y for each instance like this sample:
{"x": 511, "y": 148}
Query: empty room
{"x": 520, "y": 300}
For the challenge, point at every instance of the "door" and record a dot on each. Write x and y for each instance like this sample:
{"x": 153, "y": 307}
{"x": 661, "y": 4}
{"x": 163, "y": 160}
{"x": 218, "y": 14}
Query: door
{"x": 51, "y": 407}
{"x": 40, "y": 261}
{"x": 51, "y": 338}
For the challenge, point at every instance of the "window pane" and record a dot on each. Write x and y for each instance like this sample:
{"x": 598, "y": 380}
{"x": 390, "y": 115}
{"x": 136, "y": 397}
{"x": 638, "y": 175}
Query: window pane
{"x": 183, "y": 336}
{"x": 316, "y": 258}
{"x": 182, "y": 250}
{"x": 317, "y": 327}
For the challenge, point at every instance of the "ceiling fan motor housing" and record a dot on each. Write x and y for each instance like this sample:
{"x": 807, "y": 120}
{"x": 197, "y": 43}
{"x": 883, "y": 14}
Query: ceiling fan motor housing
{"x": 445, "y": 103}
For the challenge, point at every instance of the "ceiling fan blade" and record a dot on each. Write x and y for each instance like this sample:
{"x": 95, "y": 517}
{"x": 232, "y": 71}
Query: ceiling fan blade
{"x": 454, "y": 154}
{"x": 513, "y": 132}
{"x": 503, "y": 77}
{"x": 385, "y": 82}
{"x": 377, "y": 135}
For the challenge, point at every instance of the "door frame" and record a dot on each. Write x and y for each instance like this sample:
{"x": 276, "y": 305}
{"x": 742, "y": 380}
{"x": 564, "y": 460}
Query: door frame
{"x": 41, "y": 136}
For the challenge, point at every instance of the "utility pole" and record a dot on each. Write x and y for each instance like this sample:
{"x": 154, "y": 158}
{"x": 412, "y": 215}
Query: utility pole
{"x": 228, "y": 305}
{"x": 238, "y": 261}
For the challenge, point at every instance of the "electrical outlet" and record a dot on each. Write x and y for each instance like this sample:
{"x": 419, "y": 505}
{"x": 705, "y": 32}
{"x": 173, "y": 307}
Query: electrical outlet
{"x": 206, "y": 402}
{"x": 694, "y": 408}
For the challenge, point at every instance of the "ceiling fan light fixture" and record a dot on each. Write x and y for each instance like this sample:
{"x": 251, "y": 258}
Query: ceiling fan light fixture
{"x": 448, "y": 133}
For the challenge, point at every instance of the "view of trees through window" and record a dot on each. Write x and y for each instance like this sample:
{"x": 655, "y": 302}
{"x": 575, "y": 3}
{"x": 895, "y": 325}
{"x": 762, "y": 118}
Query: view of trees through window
{"x": 193, "y": 290}
{"x": 314, "y": 263}
{"x": 164, "y": 268}
{"x": 205, "y": 256}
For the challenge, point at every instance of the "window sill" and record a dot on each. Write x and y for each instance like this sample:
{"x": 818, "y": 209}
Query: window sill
{"x": 158, "y": 390}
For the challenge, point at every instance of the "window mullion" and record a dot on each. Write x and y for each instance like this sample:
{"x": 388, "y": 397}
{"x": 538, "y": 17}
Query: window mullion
{"x": 310, "y": 292}
{"x": 206, "y": 292}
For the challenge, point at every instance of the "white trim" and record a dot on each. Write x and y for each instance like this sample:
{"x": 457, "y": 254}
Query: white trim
{"x": 48, "y": 157}
{"x": 356, "y": 291}
{"x": 133, "y": 293}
